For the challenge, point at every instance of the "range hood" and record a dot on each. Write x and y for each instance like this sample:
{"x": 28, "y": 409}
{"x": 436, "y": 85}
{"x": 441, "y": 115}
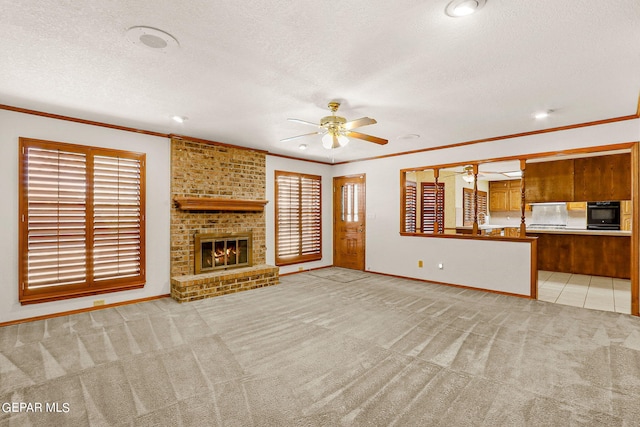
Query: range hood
{"x": 547, "y": 203}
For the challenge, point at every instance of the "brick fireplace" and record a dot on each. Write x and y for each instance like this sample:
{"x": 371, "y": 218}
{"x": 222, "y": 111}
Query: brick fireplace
{"x": 218, "y": 192}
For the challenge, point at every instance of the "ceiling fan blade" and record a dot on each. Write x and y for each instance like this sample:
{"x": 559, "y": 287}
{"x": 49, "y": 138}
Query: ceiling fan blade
{"x": 304, "y": 122}
{"x": 364, "y": 121}
{"x": 299, "y": 136}
{"x": 369, "y": 138}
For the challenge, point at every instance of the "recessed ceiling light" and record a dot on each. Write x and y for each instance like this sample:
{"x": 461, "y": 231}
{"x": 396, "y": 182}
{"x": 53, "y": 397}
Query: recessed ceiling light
{"x": 302, "y": 147}
{"x": 459, "y": 8}
{"x": 179, "y": 119}
{"x": 152, "y": 38}
{"x": 542, "y": 114}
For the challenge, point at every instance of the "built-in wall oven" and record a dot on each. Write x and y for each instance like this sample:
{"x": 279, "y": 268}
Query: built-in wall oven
{"x": 603, "y": 215}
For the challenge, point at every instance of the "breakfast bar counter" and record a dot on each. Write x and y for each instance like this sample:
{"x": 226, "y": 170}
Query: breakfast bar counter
{"x": 591, "y": 252}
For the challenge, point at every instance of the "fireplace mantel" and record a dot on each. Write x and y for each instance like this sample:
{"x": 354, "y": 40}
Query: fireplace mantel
{"x": 218, "y": 204}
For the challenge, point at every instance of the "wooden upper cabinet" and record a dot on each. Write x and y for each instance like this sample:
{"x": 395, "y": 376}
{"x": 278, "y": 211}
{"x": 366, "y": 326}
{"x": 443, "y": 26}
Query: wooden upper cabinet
{"x": 504, "y": 195}
{"x": 498, "y": 196}
{"x": 586, "y": 179}
{"x": 549, "y": 181}
{"x": 499, "y": 185}
{"x": 603, "y": 178}
{"x": 515, "y": 195}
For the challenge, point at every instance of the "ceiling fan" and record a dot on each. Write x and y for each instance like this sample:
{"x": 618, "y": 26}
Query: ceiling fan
{"x": 468, "y": 175}
{"x": 337, "y": 130}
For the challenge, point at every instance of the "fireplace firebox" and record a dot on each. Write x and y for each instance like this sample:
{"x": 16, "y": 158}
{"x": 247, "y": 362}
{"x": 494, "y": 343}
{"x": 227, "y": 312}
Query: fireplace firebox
{"x": 222, "y": 251}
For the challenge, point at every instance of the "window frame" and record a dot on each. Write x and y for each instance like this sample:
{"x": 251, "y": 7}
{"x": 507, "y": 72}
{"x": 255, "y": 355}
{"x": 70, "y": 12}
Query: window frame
{"x": 299, "y": 257}
{"x": 90, "y": 285}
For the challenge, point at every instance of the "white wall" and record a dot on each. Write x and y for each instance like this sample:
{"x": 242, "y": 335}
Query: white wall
{"x": 14, "y": 125}
{"x": 275, "y": 163}
{"x": 477, "y": 263}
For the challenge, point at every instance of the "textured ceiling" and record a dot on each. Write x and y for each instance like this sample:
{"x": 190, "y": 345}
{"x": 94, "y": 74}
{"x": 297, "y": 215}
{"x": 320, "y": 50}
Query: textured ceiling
{"x": 244, "y": 67}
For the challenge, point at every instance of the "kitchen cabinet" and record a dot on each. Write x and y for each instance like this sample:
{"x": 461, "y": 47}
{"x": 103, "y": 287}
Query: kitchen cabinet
{"x": 577, "y": 206}
{"x": 549, "y": 181}
{"x": 590, "y": 179}
{"x": 504, "y": 195}
{"x": 515, "y": 195}
{"x": 625, "y": 215}
{"x": 498, "y": 196}
{"x": 602, "y": 178}
{"x": 512, "y": 232}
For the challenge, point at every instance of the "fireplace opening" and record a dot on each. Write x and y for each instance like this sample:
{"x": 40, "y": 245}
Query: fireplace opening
{"x": 222, "y": 251}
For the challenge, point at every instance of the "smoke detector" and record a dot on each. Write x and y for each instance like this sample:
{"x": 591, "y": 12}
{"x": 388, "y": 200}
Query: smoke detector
{"x": 152, "y": 38}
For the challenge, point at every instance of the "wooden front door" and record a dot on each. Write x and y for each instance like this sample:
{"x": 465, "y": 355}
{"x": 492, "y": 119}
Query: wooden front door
{"x": 349, "y": 221}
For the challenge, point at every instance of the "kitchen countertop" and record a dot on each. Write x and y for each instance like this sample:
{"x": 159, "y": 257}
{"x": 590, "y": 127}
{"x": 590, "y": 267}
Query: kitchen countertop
{"x": 568, "y": 230}
{"x": 580, "y": 231}
{"x": 488, "y": 226}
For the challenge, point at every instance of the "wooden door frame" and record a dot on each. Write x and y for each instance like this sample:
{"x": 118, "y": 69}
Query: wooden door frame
{"x": 635, "y": 233}
{"x": 364, "y": 217}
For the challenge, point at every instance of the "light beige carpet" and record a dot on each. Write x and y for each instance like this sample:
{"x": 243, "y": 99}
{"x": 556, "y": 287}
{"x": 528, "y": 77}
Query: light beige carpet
{"x": 327, "y": 348}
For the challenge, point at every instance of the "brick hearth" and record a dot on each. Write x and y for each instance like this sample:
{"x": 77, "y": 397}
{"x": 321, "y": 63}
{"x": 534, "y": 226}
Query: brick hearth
{"x": 198, "y": 286}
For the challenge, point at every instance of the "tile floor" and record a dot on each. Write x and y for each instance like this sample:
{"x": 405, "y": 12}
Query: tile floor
{"x": 578, "y": 290}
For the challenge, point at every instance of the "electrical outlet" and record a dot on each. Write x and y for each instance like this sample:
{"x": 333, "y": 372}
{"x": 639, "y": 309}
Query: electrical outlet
{"x": 420, "y": 263}
{"x": 98, "y": 302}
{"x": 440, "y": 266}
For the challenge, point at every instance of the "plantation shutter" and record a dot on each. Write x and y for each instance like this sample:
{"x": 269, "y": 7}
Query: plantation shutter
{"x": 432, "y": 209}
{"x": 116, "y": 217}
{"x": 298, "y": 218}
{"x": 410, "y": 207}
{"x": 469, "y": 207}
{"x": 56, "y": 217}
{"x": 288, "y": 217}
{"x": 482, "y": 207}
{"x": 82, "y": 220}
{"x": 310, "y": 216}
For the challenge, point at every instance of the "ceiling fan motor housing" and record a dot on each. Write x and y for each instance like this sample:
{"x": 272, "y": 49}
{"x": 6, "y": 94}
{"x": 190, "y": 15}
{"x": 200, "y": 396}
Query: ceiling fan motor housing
{"x": 332, "y": 121}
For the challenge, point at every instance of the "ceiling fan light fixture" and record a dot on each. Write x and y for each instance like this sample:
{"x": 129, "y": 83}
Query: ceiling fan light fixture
{"x": 460, "y": 8}
{"x": 332, "y": 140}
{"x": 468, "y": 176}
{"x": 327, "y": 141}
